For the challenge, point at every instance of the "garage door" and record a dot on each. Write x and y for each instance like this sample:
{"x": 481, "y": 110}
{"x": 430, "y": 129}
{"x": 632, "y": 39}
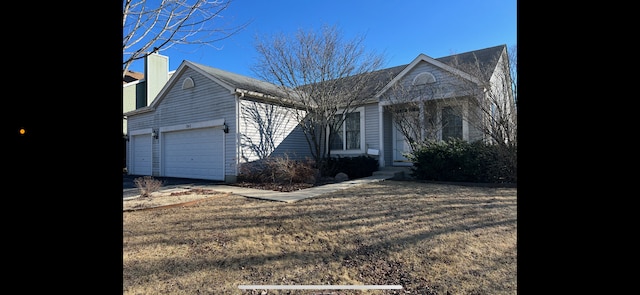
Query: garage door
{"x": 140, "y": 154}
{"x": 193, "y": 153}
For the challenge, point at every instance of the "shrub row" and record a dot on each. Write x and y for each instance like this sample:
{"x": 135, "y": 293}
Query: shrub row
{"x": 278, "y": 170}
{"x": 286, "y": 170}
{"x": 354, "y": 167}
{"x": 458, "y": 160}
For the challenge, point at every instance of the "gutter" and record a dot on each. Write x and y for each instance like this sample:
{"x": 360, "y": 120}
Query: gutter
{"x": 138, "y": 111}
{"x": 243, "y": 93}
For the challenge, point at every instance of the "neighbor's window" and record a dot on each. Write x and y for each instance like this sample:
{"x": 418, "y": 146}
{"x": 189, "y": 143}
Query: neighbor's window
{"x": 451, "y": 123}
{"x": 348, "y": 136}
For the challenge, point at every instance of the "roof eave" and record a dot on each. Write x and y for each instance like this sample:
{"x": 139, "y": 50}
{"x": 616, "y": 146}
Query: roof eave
{"x": 268, "y": 98}
{"x": 138, "y": 111}
{"x": 425, "y": 58}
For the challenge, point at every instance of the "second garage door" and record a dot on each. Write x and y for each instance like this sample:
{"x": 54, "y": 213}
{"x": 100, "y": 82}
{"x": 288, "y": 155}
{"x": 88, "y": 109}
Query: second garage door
{"x": 193, "y": 153}
{"x": 141, "y": 154}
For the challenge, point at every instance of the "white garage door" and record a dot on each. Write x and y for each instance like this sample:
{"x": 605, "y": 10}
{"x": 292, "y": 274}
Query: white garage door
{"x": 193, "y": 153}
{"x": 140, "y": 154}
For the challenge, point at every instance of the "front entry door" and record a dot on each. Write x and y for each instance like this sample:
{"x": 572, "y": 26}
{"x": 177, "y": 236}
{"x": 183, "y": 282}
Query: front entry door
{"x": 400, "y": 148}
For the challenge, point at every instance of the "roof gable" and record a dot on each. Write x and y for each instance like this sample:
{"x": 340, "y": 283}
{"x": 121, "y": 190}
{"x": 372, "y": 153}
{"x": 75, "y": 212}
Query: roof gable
{"x": 231, "y": 81}
{"x": 424, "y": 58}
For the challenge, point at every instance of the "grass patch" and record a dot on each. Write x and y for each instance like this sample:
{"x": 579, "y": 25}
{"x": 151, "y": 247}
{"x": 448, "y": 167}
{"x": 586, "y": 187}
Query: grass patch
{"x": 429, "y": 238}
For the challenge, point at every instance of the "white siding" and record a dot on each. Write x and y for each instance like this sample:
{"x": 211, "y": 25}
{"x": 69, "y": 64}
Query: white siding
{"x": 139, "y": 122}
{"x": 266, "y": 130}
{"x": 371, "y": 127}
{"x": 205, "y": 102}
{"x": 474, "y": 121}
{"x": 294, "y": 145}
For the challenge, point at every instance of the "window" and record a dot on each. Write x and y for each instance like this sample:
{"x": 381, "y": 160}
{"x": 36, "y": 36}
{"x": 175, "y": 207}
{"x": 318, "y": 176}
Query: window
{"x": 336, "y": 136}
{"x": 187, "y": 83}
{"x": 451, "y": 123}
{"x": 349, "y": 135}
{"x": 424, "y": 78}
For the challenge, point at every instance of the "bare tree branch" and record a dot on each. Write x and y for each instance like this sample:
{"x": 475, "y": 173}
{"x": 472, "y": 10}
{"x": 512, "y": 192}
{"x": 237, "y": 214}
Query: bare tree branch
{"x": 490, "y": 97}
{"x": 326, "y": 74}
{"x": 494, "y": 99}
{"x": 413, "y": 106}
{"x": 152, "y": 26}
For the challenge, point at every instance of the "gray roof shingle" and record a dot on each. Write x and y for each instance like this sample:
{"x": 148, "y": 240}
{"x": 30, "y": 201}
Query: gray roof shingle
{"x": 242, "y": 82}
{"x": 487, "y": 58}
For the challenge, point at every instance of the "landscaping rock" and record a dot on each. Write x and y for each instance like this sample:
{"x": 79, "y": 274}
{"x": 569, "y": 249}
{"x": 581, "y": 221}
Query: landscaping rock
{"x": 340, "y": 177}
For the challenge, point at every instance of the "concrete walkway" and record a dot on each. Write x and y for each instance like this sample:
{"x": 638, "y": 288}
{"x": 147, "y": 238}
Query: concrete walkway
{"x": 296, "y": 195}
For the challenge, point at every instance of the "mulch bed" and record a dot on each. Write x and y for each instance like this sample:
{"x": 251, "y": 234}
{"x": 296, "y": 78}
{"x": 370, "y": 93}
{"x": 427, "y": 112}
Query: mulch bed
{"x": 279, "y": 187}
{"x": 283, "y": 187}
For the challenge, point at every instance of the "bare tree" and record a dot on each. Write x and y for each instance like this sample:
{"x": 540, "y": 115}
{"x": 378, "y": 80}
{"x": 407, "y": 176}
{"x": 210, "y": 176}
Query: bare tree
{"x": 488, "y": 88}
{"x": 493, "y": 98}
{"x": 513, "y": 70}
{"x": 328, "y": 76}
{"x": 413, "y": 106}
{"x": 151, "y": 26}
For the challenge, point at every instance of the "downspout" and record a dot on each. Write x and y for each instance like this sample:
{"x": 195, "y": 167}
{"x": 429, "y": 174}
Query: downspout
{"x": 422, "y": 122}
{"x": 224, "y": 155}
{"x": 236, "y": 133}
{"x": 381, "y": 132}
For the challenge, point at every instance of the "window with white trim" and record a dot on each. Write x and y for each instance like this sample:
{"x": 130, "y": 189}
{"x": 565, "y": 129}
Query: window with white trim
{"x": 349, "y": 136}
{"x": 424, "y": 78}
{"x": 451, "y": 123}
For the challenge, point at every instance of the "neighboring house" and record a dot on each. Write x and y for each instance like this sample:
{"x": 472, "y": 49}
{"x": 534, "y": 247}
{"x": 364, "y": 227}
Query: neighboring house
{"x": 132, "y": 76}
{"x": 205, "y": 122}
{"x": 138, "y": 90}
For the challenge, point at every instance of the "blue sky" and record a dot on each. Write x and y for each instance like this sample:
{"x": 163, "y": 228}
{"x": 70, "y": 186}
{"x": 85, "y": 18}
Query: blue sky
{"x": 398, "y": 29}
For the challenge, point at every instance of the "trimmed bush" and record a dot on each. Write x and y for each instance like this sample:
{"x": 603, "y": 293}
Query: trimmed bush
{"x": 354, "y": 167}
{"x": 462, "y": 161}
{"x": 283, "y": 170}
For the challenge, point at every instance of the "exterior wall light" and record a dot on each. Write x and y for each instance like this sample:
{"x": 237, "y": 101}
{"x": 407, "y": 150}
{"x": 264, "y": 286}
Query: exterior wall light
{"x": 154, "y": 134}
{"x": 225, "y": 127}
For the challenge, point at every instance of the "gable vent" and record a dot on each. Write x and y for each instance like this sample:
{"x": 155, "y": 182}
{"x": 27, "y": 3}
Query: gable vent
{"x": 187, "y": 83}
{"x": 424, "y": 78}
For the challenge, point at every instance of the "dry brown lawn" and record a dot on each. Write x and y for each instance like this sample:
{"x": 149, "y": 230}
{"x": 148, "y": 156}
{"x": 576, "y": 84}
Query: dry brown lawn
{"x": 428, "y": 238}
